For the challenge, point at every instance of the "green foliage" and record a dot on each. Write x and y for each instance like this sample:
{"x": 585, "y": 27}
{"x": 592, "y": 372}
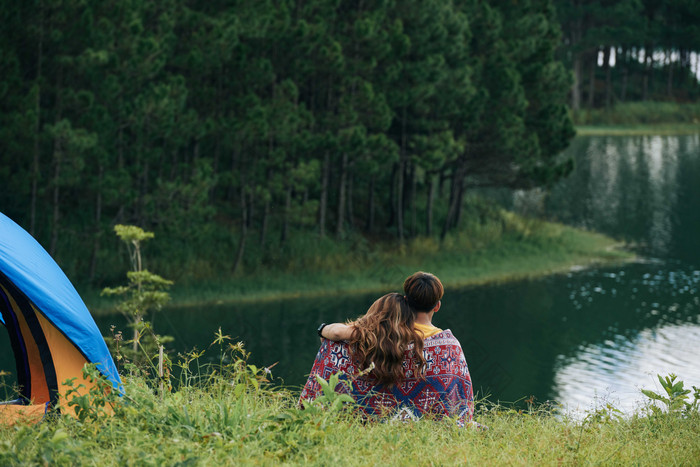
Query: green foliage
{"x": 145, "y": 292}
{"x": 330, "y": 400}
{"x": 233, "y": 129}
{"x": 95, "y": 404}
{"x": 623, "y": 51}
{"x": 675, "y": 401}
{"x": 605, "y": 414}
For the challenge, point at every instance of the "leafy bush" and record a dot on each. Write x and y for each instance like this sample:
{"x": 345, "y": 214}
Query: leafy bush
{"x": 676, "y": 400}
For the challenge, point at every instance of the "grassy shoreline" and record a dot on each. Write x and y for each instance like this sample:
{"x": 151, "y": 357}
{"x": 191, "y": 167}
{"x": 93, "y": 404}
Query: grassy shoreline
{"x": 639, "y": 118}
{"x": 515, "y": 249}
{"x": 228, "y": 415}
{"x": 665, "y": 129}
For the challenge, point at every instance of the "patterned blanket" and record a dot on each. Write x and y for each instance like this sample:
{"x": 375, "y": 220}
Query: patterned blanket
{"x": 445, "y": 391}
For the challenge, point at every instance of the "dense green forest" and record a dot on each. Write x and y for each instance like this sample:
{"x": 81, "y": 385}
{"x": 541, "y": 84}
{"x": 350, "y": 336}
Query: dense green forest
{"x": 630, "y": 50}
{"x": 244, "y": 133}
{"x": 229, "y": 128}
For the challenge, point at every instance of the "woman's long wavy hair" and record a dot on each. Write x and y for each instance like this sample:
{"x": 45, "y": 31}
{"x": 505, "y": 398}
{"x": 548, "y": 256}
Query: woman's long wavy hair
{"x": 382, "y": 337}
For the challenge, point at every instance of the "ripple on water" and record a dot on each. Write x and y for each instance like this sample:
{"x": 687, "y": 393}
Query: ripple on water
{"x": 615, "y": 370}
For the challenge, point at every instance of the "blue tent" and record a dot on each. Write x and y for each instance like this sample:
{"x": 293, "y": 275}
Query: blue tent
{"x": 51, "y": 330}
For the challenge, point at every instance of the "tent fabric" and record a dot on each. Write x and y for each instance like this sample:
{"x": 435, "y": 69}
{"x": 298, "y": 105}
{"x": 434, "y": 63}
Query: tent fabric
{"x": 52, "y": 317}
{"x": 14, "y": 414}
{"x": 33, "y": 376}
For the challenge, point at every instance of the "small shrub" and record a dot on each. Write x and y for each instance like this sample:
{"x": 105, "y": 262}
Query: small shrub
{"x": 676, "y": 400}
{"x": 95, "y": 404}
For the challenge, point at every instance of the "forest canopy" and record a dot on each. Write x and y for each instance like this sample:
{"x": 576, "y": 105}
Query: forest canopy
{"x": 232, "y": 126}
{"x": 630, "y": 50}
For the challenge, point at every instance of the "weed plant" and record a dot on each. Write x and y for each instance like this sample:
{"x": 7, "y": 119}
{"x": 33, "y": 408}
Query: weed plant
{"x": 228, "y": 413}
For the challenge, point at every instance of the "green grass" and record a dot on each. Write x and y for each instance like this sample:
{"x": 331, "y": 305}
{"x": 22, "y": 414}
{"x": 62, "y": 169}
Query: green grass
{"x": 666, "y": 129}
{"x": 640, "y": 118}
{"x": 231, "y": 417}
{"x": 501, "y": 246}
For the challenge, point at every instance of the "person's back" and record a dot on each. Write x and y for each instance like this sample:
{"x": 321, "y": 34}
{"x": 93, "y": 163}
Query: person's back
{"x": 398, "y": 363}
{"x": 444, "y": 389}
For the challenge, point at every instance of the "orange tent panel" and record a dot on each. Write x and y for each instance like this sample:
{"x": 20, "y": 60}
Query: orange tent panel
{"x": 68, "y": 362}
{"x": 39, "y": 388}
{"x": 21, "y": 414}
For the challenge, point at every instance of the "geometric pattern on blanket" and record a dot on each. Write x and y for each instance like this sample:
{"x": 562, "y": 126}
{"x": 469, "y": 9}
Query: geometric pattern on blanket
{"x": 446, "y": 389}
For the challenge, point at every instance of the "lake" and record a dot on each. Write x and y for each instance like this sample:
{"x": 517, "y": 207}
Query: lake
{"x": 583, "y": 338}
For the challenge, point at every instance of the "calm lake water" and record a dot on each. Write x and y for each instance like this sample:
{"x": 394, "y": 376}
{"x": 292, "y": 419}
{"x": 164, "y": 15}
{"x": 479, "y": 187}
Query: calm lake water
{"x": 582, "y": 338}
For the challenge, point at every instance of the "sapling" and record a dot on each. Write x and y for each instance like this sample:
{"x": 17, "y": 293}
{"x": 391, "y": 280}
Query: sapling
{"x": 144, "y": 292}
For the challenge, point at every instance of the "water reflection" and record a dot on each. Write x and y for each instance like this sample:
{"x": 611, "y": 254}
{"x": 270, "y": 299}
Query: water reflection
{"x": 643, "y": 190}
{"x": 616, "y": 369}
{"x": 629, "y": 187}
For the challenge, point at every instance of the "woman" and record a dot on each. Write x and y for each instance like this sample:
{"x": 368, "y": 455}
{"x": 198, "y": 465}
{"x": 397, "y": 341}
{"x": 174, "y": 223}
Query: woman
{"x": 407, "y": 367}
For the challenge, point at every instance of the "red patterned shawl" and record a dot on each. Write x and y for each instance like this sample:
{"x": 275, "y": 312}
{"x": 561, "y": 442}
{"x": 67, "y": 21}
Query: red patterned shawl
{"x": 445, "y": 391}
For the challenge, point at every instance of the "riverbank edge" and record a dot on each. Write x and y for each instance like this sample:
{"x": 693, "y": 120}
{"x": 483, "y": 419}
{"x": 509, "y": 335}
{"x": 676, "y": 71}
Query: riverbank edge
{"x": 667, "y": 129}
{"x": 549, "y": 249}
{"x": 455, "y": 283}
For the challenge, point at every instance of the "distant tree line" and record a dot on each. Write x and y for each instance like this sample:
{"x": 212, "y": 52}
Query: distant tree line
{"x": 246, "y": 122}
{"x": 631, "y": 50}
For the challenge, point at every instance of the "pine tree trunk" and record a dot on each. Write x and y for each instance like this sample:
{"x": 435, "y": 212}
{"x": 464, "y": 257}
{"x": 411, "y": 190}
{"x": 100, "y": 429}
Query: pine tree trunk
{"x": 625, "y": 74}
{"x": 393, "y": 180}
{"x": 452, "y": 206}
{"x": 591, "y": 79}
{"x": 369, "y": 227}
{"x": 57, "y": 162}
{"x": 266, "y": 208}
{"x": 244, "y": 228}
{"x": 143, "y": 192}
{"x": 412, "y": 200}
{"x": 351, "y": 211}
{"x": 684, "y": 65}
{"x": 441, "y": 182}
{"x": 341, "y": 195}
{"x": 649, "y": 62}
{"x": 608, "y": 81}
{"x": 400, "y": 180}
{"x": 576, "y": 86}
{"x": 669, "y": 84}
{"x": 429, "y": 205}
{"x": 56, "y": 197}
{"x": 98, "y": 222}
{"x": 460, "y": 201}
{"x": 250, "y": 203}
{"x": 217, "y": 142}
{"x": 575, "y": 35}
{"x": 287, "y": 211}
{"x": 264, "y": 222}
{"x": 323, "y": 201}
{"x": 172, "y": 164}
{"x": 454, "y": 203}
{"x": 120, "y": 164}
{"x": 37, "y": 125}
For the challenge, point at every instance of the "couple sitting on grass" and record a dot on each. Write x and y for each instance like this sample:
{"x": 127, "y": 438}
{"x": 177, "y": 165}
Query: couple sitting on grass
{"x": 399, "y": 364}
